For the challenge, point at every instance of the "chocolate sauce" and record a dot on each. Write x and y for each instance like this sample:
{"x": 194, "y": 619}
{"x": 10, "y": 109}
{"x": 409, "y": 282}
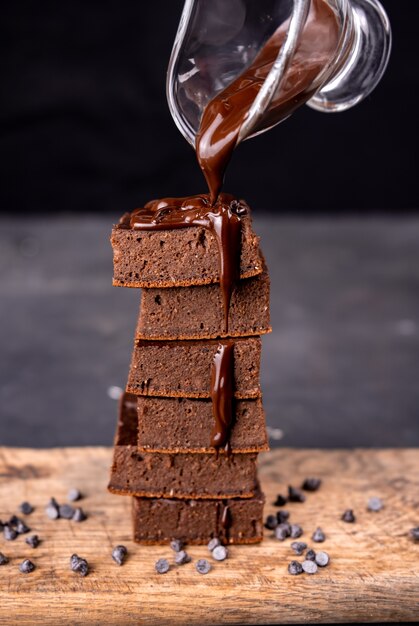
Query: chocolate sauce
{"x": 222, "y": 394}
{"x": 224, "y": 115}
{"x": 222, "y": 219}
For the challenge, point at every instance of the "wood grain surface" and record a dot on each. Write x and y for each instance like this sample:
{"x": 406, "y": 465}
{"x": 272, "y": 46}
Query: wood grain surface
{"x": 373, "y": 575}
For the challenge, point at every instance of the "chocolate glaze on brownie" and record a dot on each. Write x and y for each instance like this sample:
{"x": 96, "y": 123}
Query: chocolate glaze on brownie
{"x": 183, "y": 368}
{"x": 159, "y": 520}
{"x": 197, "y": 312}
{"x": 170, "y": 258}
{"x": 155, "y": 475}
{"x": 172, "y": 425}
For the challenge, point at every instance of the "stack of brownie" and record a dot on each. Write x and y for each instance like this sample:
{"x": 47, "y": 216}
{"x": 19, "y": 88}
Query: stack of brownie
{"x": 182, "y": 486}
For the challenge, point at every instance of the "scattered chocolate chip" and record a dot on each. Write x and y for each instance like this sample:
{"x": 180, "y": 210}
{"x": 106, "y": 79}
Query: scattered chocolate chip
{"x": 73, "y": 495}
{"x": 414, "y": 533}
{"x": 13, "y": 520}
{"x": 176, "y": 545}
{"x": 26, "y": 567}
{"x": 213, "y": 544}
{"x": 282, "y": 531}
{"x": 1, "y": 525}
{"x": 298, "y": 547}
{"x": 295, "y": 495}
{"x": 310, "y": 555}
{"x": 322, "y": 559}
{"x": 119, "y": 554}
{"x": 21, "y": 527}
{"x": 79, "y": 515}
{"x": 295, "y": 568}
{"x": 220, "y": 553}
{"x": 280, "y": 500}
{"x": 52, "y": 509}
{"x": 282, "y": 516}
{"x": 271, "y": 522}
{"x": 162, "y": 566}
{"x": 348, "y": 516}
{"x": 295, "y": 531}
{"x": 79, "y": 565}
{"x": 26, "y": 508}
{"x": 3, "y": 559}
{"x": 203, "y": 566}
{"x": 318, "y": 536}
{"x": 66, "y": 511}
{"x": 182, "y": 557}
{"x": 309, "y": 567}
{"x": 9, "y": 533}
{"x": 32, "y": 541}
{"x": 375, "y": 504}
{"x": 311, "y": 484}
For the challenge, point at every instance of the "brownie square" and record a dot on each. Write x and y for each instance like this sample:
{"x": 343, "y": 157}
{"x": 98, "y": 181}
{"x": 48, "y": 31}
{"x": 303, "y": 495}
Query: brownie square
{"x": 198, "y": 313}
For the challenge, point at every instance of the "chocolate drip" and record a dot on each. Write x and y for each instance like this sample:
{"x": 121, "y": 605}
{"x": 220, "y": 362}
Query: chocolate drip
{"x": 224, "y": 115}
{"x": 222, "y": 219}
{"x": 222, "y": 394}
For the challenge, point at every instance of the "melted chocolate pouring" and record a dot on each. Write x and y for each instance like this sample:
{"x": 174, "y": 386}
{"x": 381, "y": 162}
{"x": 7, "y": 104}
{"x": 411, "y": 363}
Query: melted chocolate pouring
{"x": 224, "y": 115}
{"x": 222, "y": 219}
{"x": 222, "y": 395}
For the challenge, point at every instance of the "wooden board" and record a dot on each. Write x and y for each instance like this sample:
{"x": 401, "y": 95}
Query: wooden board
{"x": 373, "y": 575}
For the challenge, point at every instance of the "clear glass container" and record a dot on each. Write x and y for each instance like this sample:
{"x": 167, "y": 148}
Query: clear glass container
{"x": 218, "y": 39}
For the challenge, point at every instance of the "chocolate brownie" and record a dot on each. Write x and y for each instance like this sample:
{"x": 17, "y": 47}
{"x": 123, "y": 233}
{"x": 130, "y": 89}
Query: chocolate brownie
{"x": 156, "y": 475}
{"x": 159, "y": 520}
{"x": 184, "y": 425}
{"x": 183, "y": 368}
{"x": 197, "y": 312}
{"x": 176, "y": 257}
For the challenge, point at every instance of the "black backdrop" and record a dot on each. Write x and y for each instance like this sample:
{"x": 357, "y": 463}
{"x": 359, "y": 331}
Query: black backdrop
{"x": 85, "y": 124}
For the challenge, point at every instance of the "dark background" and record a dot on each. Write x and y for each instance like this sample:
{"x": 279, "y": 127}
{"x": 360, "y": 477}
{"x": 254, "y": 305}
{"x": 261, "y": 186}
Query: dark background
{"x": 86, "y": 135}
{"x": 85, "y": 125}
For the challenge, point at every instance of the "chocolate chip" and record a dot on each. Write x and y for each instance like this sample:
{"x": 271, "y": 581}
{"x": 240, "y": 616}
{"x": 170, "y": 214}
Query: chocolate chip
{"x": 237, "y": 207}
{"x": 176, "y": 545}
{"x": 348, "y": 516}
{"x": 213, "y": 544}
{"x": 414, "y": 533}
{"x": 282, "y": 531}
{"x": 282, "y": 516}
{"x": 79, "y": 515}
{"x": 295, "y": 495}
{"x": 26, "y": 508}
{"x": 3, "y": 559}
{"x": 73, "y": 495}
{"x": 52, "y": 509}
{"x": 309, "y": 567}
{"x": 203, "y": 566}
{"x": 220, "y": 553}
{"x": 280, "y": 500}
{"x": 318, "y": 536}
{"x": 26, "y": 567}
{"x": 32, "y": 541}
{"x": 311, "y": 484}
{"x": 79, "y": 565}
{"x": 66, "y": 511}
{"x": 322, "y": 559}
{"x": 271, "y": 522}
{"x": 162, "y": 566}
{"x": 295, "y": 568}
{"x": 9, "y": 533}
{"x": 295, "y": 531}
{"x": 119, "y": 553}
{"x": 375, "y": 504}
{"x": 182, "y": 557}
{"x": 2, "y": 525}
{"x": 21, "y": 527}
{"x": 310, "y": 555}
{"x": 298, "y": 547}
